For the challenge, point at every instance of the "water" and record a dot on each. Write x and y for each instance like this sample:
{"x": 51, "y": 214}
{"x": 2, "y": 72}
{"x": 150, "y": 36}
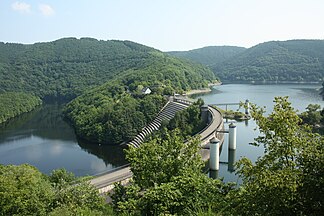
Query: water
{"x": 262, "y": 95}
{"x": 42, "y": 139}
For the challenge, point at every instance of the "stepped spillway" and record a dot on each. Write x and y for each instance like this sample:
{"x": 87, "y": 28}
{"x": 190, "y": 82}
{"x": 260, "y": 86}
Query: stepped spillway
{"x": 167, "y": 113}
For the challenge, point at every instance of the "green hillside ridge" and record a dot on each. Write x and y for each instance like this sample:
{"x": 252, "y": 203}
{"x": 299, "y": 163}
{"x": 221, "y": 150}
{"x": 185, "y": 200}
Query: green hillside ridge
{"x": 116, "y": 111}
{"x": 66, "y": 67}
{"x": 209, "y": 56}
{"x": 274, "y": 61}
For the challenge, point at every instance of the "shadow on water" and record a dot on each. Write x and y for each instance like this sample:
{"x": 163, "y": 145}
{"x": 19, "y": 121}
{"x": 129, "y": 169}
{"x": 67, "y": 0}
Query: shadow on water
{"x": 43, "y": 129}
{"x": 113, "y": 155}
{"x": 45, "y": 121}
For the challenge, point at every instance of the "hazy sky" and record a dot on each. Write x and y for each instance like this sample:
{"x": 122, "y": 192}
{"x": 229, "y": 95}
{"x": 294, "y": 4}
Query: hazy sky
{"x": 163, "y": 24}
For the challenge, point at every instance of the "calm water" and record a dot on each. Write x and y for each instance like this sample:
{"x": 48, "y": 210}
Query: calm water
{"x": 43, "y": 139}
{"x": 262, "y": 95}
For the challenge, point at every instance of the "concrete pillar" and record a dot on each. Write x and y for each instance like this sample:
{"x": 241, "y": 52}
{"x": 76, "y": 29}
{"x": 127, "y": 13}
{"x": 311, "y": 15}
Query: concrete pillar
{"x": 232, "y": 136}
{"x": 213, "y": 174}
{"x": 247, "y": 107}
{"x": 231, "y": 160}
{"x": 204, "y": 113}
{"x": 214, "y": 154}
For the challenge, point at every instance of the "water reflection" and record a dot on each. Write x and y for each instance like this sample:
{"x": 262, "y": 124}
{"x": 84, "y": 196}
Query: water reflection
{"x": 231, "y": 160}
{"x": 43, "y": 139}
{"x": 109, "y": 154}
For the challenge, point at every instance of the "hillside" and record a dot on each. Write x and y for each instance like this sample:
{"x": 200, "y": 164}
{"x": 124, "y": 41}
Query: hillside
{"x": 66, "y": 67}
{"x": 294, "y": 60}
{"x": 209, "y": 56}
{"x": 117, "y": 111}
{"x": 297, "y": 60}
{"x": 107, "y": 75}
{"x": 16, "y": 103}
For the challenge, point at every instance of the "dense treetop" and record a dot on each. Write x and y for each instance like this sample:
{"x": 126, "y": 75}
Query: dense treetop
{"x": 117, "y": 110}
{"x": 15, "y": 103}
{"x": 294, "y": 60}
{"x": 24, "y": 190}
{"x": 211, "y": 55}
{"x": 68, "y": 66}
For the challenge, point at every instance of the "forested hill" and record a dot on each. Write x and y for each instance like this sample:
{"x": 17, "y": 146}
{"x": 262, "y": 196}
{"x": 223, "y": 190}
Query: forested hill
{"x": 294, "y": 60}
{"x": 209, "y": 56}
{"x": 117, "y": 110}
{"x": 68, "y": 66}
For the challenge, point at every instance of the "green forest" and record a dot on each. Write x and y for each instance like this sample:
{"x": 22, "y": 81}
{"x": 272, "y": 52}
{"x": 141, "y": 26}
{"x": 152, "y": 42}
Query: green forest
{"x": 107, "y": 75}
{"x": 211, "y": 55}
{"x": 24, "y": 190}
{"x": 66, "y": 67}
{"x": 274, "y": 61}
{"x": 117, "y": 110}
{"x": 14, "y": 104}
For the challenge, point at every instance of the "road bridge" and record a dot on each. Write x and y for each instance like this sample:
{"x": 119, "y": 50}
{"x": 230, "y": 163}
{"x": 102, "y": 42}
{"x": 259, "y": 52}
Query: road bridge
{"x": 105, "y": 181}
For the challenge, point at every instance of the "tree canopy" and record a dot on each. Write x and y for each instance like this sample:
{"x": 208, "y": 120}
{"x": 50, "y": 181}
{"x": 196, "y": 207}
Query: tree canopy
{"x": 211, "y": 55}
{"x": 293, "y": 60}
{"x": 117, "y": 110}
{"x": 288, "y": 178}
{"x": 26, "y": 191}
{"x": 16, "y": 103}
{"x": 168, "y": 179}
{"x": 65, "y": 68}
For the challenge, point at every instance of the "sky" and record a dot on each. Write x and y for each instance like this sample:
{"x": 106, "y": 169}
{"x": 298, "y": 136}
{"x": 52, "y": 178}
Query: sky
{"x": 167, "y": 25}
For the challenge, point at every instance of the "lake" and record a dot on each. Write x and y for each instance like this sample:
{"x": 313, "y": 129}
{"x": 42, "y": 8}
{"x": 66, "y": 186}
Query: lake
{"x": 300, "y": 95}
{"x": 41, "y": 138}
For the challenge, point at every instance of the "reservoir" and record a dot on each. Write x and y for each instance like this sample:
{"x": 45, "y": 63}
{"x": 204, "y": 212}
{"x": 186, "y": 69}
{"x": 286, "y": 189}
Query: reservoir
{"x": 41, "y": 138}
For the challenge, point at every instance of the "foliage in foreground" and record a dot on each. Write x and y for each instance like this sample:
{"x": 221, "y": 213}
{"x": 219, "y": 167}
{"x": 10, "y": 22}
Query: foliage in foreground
{"x": 26, "y": 191}
{"x": 288, "y": 179}
{"x": 168, "y": 179}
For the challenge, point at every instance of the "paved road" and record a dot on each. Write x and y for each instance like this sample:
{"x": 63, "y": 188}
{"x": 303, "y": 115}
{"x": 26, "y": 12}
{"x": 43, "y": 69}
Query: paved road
{"x": 112, "y": 177}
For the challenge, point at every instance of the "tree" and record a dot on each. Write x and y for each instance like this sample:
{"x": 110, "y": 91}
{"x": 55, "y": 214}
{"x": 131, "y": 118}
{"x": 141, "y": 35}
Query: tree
{"x": 24, "y": 191}
{"x": 312, "y": 116}
{"x": 168, "y": 179}
{"x": 288, "y": 179}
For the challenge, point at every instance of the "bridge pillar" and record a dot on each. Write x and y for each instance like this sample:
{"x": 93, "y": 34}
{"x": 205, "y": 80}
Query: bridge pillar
{"x": 247, "y": 107}
{"x": 213, "y": 174}
{"x": 214, "y": 154}
{"x": 204, "y": 113}
{"x": 232, "y": 136}
{"x": 231, "y": 160}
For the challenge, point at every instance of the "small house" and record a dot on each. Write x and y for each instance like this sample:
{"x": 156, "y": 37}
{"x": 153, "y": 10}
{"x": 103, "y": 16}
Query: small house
{"x": 146, "y": 90}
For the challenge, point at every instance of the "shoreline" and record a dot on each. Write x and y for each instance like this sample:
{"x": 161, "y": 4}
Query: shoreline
{"x": 198, "y": 91}
{"x": 259, "y": 82}
{"x": 203, "y": 90}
